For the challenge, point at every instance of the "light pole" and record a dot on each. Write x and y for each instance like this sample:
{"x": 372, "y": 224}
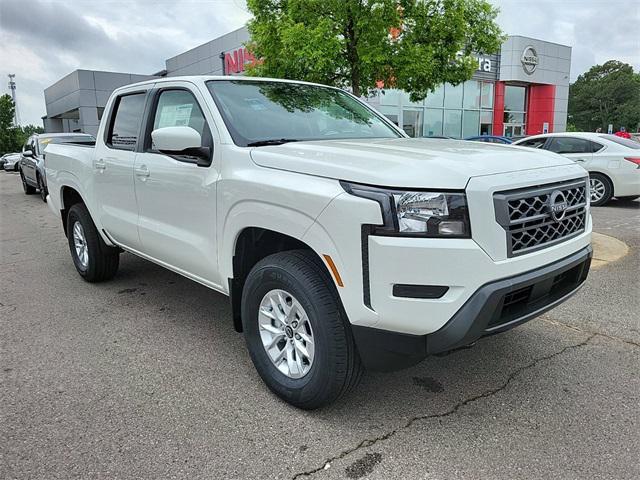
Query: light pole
{"x": 12, "y": 87}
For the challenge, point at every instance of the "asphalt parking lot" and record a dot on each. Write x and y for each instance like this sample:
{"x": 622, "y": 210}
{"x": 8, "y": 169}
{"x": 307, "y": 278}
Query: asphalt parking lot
{"x": 144, "y": 377}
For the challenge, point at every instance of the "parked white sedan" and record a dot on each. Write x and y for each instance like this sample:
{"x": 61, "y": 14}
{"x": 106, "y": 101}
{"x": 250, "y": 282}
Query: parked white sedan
{"x": 613, "y": 163}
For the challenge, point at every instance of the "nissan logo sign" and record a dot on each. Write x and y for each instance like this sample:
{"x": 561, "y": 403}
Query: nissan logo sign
{"x": 557, "y": 205}
{"x": 529, "y": 60}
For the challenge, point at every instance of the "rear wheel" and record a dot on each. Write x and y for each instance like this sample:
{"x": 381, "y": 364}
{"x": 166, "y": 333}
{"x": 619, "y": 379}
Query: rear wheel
{"x": 600, "y": 188}
{"x": 94, "y": 260}
{"x": 28, "y": 189}
{"x": 296, "y": 331}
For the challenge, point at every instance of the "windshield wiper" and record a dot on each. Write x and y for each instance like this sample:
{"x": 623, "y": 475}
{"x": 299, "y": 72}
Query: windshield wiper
{"x": 273, "y": 141}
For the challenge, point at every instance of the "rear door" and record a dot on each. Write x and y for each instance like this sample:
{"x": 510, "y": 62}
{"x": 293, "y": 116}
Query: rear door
{"x": 577, "y": 149}
{"x": 176, "y": 197}
{"x": 115, "y": 196}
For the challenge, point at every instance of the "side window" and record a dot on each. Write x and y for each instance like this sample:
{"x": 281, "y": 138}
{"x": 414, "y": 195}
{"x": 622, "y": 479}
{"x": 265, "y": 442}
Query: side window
{"x": 565, "y": 145}
{"x": 596, "y": 147}
{"x": 125, "y": 123}
{"x": 33, "y": 145}
{"x": 533, "y": 143}
{"x": 177, "y": 108}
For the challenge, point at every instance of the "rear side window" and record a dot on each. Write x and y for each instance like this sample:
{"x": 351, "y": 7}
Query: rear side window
{"x": 533, "y": 143}
{"x": 564, "y": 145}
{"x": 127, "y": 117}
{"x": 596, "y": 147}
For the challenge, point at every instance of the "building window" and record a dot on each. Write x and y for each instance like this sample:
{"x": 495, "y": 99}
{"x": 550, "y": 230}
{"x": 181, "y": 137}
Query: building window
{"x": 472, "y": 94}
{"x": 470, "y": 123}
{"x": 412, "y": 122}
{"x": 486, "y": 122}
{"x": 433, "y": 122}
{"x": 453, "y": 96}
{"x": 452, "y": 123}
{"x": 487, "y": 95}
{"x": 436, "y": 98}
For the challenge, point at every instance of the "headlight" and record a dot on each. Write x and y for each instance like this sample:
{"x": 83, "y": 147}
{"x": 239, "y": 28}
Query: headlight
{"x": 417, "y": 213}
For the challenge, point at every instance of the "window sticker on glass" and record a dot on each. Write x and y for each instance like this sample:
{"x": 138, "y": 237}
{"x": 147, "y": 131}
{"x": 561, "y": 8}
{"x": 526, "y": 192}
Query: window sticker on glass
{"x": 255, "y": 104}
{"x": 175, "y": 115}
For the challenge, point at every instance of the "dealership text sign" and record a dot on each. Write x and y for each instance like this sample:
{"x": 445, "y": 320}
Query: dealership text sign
{"x": 235, "y": 60}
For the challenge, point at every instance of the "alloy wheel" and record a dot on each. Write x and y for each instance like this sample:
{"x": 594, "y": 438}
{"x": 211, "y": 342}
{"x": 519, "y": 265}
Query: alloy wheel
{"x": 286, "y": 333}
{"x": 80, "y": 244}
{"x": 597, "y": 189}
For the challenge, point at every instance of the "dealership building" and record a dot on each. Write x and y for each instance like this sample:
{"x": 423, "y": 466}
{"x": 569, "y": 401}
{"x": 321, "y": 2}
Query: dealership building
{"x": 521, "y": 90}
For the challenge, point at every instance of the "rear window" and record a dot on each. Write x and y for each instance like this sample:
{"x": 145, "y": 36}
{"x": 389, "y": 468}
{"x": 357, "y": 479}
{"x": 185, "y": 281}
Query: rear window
{"x": 622, "y": 141}
{"x": 126, "y": 121}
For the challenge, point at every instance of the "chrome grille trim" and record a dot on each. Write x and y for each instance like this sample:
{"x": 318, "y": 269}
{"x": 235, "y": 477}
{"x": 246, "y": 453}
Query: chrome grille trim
{"x": 526, "y": 217}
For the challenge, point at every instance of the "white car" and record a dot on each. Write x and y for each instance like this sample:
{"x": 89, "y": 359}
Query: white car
{"x": 613, "y": 162}
{"x": 10, "y": 162}
{"x": 342, "y": 243}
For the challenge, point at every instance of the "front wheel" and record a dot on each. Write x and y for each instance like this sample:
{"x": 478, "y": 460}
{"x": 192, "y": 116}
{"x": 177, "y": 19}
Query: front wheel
{"x": 94, "y": 260}
{"x": 600, "y": 188}
{"x": 297, "y": 333}
{"x": 43, "y": 189}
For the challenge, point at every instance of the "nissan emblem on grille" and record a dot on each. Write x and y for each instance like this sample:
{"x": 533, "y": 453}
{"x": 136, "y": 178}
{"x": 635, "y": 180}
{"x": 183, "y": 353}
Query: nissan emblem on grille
{"x": 541, "y": 216}
{"x": 557, "y": 205}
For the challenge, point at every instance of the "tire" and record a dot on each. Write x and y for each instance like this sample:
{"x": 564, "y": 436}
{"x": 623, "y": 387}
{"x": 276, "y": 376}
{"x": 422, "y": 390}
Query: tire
{"x": 28, "y": 189}
{"x": 43, "y": 189}
{"x": 101, "y": 261}
{"x": 629, "y": 198}
{"x": 336, "y": 367}
{"x": 601, "y": 189}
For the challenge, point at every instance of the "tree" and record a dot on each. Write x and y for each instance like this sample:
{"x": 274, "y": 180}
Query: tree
{"x": 12, "y": 137}
{"x": 8, "y": 131}
{"x": 414, "y": 45}
{"x": 606, "y": 94}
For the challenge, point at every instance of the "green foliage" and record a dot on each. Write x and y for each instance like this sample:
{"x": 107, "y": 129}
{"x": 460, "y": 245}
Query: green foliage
{"x": 12, "y": 137}
{"x": 347, "y": 43}
{"x": 606, "y": 94}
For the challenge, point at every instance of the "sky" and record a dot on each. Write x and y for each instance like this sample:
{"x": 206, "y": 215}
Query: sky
{"x": 43, "y": 40}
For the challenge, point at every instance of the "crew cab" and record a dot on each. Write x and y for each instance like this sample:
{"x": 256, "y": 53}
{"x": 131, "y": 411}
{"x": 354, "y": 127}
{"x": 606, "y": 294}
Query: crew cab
{"x": 343, "y": 244}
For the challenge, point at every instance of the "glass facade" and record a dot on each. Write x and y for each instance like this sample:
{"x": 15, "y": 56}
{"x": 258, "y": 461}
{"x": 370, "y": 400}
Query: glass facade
{"x": 515, "y": 101}
{"x": 459, "y": 111}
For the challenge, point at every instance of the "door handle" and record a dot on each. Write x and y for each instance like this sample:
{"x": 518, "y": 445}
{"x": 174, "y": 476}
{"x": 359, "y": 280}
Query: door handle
{"x": 100, "y": 164}
{"x": 142, "y": 171}
{"x": 581, "y": 160}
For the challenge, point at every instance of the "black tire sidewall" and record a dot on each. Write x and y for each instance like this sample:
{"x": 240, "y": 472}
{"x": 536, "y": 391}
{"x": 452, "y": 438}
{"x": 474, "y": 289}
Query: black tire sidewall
{"x": 313, "y": 386}
{"x": 607, "y": 187}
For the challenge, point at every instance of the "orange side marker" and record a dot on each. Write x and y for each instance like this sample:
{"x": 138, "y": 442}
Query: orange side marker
{"x": 334, "y": 270}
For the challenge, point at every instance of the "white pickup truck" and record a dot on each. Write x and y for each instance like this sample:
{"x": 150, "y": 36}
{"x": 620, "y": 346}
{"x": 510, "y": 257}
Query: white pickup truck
{"x": 342, "y": 244}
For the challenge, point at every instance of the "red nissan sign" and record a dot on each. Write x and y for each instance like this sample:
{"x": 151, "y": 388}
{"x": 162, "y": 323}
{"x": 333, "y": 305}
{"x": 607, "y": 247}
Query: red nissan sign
{"x": 235, "y": 60}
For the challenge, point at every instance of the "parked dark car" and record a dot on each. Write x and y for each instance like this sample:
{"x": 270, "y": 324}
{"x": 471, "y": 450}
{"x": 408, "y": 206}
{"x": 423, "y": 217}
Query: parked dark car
{"x": 491, "y": 139}
{"x": 32, "y": 160}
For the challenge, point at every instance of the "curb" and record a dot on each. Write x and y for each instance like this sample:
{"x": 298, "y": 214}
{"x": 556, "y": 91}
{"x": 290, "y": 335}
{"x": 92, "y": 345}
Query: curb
{"x": 606, "y": 249}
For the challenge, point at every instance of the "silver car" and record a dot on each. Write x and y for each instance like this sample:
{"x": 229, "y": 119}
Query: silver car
{"x": 10, "y": 162}
{"x": 32, "y": 160}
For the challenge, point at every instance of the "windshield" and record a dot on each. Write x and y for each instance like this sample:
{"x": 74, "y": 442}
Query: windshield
{"x": 44, "y": 141}
{"x": 258, "y": 112}
{"x": 622, "y": 141}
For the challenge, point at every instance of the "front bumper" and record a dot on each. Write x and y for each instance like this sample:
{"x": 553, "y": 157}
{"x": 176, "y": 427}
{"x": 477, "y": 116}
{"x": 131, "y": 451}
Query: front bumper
{"x": 495, "y": 307}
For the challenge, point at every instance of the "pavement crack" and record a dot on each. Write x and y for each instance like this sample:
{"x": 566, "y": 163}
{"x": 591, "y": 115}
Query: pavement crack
{"x": 452, "y": 411}
{"x": 589, "y": 332}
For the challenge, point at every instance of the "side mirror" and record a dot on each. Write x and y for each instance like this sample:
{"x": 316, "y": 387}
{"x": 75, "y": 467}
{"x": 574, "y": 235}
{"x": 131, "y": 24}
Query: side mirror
{"x": 183, "y": 143}
{"x": 27, "y": 153}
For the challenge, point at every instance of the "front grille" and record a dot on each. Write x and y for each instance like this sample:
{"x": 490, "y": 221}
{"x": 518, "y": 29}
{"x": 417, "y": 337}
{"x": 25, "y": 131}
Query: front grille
{"x": 528, "y": 218}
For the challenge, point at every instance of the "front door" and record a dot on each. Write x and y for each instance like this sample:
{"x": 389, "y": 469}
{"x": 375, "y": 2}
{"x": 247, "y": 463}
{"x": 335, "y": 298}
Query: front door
{"x": 116, "y": 206}
{"x": 177, "y": 198}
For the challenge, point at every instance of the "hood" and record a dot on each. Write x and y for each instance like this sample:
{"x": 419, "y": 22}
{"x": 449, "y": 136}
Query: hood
{"x": 403, "y": 162}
